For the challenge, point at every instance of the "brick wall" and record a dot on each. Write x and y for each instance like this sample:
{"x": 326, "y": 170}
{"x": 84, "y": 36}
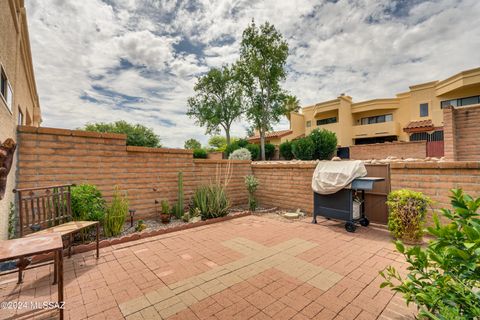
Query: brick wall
{"x": 461, "y": 133}
{"x": 50, "y": 156}
{"x": 436, "y": 179}
{"x": 412, "y": 149}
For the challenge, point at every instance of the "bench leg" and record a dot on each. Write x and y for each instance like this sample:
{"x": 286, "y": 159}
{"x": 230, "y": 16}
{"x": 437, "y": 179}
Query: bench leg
{"x": 98, "y": 240}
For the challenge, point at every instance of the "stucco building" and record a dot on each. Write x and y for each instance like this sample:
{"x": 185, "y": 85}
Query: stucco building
{"x": 410, "y": 116}
{"x": 19, "y": 103}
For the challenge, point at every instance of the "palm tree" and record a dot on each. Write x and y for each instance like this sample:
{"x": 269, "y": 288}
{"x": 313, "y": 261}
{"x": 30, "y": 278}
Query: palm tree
{"x": 291, "y": 104}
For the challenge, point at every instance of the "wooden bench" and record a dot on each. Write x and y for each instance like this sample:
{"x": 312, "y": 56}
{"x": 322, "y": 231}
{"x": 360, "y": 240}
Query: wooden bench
{"x": 47, "y": 210}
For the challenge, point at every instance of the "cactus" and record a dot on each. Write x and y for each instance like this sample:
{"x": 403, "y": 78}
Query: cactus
{"x": 180, "y": 204}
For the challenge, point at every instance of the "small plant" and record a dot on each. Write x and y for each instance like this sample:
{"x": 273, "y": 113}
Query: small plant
{"x": 443, "y": 279}
{"x": 11, "y": 221}
{"x": 303, "y": 149}
{"x": 116, "y": 213}
{"x": 87, "y": 203}
{"x": 269, "y": 151}
{"x": 140, "y": 226}
{"x": 237, "y": 144}
{"x": 240, "y": 154}
{"x": 251, "y": 183}
{"x": 286, "y": 150}
{"x": 407, "y": 210}
{"x": 200, "y": 154}
{"x": 165, "y": 213}
{"x": 211, "y": 201}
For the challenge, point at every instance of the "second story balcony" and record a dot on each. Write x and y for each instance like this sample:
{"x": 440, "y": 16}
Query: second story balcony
{"x": 390, "y": 128}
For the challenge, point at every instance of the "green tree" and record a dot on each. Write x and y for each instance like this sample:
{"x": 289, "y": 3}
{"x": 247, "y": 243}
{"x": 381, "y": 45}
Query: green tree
{"x": 290, "y": 104}
{"x": 263, "y": 56}
{"x": 137, "y": 134}
{"x": 219, "y": 143}
{"x": 217, "y": 101}
{"x": 192, "y": 144}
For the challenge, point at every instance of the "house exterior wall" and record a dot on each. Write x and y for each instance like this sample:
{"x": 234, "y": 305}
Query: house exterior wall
{"x": 16, "y": 61}
{"x": 405, "y": 107}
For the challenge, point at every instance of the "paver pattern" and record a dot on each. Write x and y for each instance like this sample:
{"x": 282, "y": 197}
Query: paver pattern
{"x": 247, "y": 268}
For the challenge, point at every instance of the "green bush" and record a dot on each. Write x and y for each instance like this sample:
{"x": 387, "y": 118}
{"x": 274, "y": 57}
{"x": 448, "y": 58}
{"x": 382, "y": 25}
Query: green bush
{"x": 242, "y": 143}
{"x": 303, "y": 149}
{"x": 87, "y": 203}
{"x": 269, "y": 151}
{"x": 200, "y": 154}
{"x": 115, "y": 215}
{"x": 165, "y": 207}
{"x": 325, "y": 144}
{"x": 192, "y": 144}
{"x": 137, "y": 134}
{"x": 407, "y": 210}
{"x": 230, "y": 148}
{"x": 443, "y": 279}
{"x": 286, "y": 150}
{"x": 254, "y": 151}
{"x": 240, "y": 154}
{"x": 211, "y": 201}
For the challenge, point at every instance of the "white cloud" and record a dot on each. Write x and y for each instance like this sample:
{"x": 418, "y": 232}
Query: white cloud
{"x": 367, "y": 49}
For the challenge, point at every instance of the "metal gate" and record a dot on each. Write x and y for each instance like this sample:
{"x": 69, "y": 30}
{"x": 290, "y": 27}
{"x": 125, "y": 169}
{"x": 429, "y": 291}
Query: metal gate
{"x": 435, "y": 149}
{"x": 435, "y": 144}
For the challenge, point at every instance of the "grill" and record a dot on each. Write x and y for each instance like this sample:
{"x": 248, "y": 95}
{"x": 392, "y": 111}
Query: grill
{"x": 339, "y": 192}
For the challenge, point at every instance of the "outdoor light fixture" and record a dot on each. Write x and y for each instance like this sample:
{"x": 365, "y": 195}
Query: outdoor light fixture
{"x": 132, "y": 213}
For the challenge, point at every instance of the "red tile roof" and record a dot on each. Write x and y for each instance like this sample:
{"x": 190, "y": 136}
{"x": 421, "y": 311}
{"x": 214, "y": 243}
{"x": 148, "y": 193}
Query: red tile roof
{"x": 422, "y": 125}
{"x": 272, "y": 134}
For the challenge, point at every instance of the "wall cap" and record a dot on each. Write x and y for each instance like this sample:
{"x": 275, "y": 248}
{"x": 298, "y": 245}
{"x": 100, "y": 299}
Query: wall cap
{"x": 68, "y": 132}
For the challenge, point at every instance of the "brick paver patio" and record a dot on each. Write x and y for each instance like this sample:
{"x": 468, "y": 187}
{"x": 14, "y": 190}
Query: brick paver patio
{"x": 247, "y": 268}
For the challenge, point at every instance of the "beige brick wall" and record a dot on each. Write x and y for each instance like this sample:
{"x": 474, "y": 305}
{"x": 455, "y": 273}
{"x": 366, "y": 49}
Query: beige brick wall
{"x": 462, "y": 132}
{"x": 50, "y": 156}
{"x": 413, "y": 149}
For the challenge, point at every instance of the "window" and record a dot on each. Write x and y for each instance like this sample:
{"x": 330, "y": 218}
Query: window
{"x": 309, "y": 124}
{"x": 423, "y": 109}
{"x": 6, "y": 90}
{"x": 460, "y": 102}
{"x": 326, "y": 121}
{"x": 377, "y": 119}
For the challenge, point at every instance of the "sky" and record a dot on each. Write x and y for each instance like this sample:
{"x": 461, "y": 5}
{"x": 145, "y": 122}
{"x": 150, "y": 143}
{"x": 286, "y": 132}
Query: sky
{"x": 138, "y": 60}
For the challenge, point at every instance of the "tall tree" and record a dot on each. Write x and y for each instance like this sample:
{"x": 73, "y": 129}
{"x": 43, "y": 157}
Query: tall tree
{"x": 263, "y": 56}
{"x": 290, "y": 104}
{"x": 217, "y": 102}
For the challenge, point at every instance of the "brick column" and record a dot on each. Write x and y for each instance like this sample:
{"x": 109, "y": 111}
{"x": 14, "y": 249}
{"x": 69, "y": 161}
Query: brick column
{"x": 449, "y": 133}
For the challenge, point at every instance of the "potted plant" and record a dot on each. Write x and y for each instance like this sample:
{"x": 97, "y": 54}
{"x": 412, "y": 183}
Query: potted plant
{"x": 407, "y": 211}
{"x": 165, "y": 213}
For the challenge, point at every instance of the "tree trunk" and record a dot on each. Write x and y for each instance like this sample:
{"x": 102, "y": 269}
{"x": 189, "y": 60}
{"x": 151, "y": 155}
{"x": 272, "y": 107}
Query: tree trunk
{"x": 227, "y": 135}
{"x": 262, "y": 144}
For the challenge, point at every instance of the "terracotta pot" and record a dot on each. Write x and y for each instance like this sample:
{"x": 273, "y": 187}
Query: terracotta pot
{"x": 165, "y": 217}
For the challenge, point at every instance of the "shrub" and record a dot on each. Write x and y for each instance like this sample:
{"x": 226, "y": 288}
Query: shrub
{"x": 87, "y": 203}
{"x": 200, "y": 154}
{"x": 137, "y": 134}
{"x": 443, "y": 279}
{"x": 286, "y": 150}
{"x": 211, "y": 201}
{"x": 303, "y": 149}
{"x": 254, "y": 150}
{"x": 269, "y": 151}
{"x": 325, "y": 144}
{"x": 230, "y": 148}
{"x": 240, "y": 154}
{"x": 165, "y": 207}
{"x": 251, "y": 183}
{"x": 115, "y": 215}
{"x": 242, "y": 143}
{"x": 407, "y": 210}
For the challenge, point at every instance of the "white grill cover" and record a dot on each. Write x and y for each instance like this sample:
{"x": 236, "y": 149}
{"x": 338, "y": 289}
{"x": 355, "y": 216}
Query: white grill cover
{"x": 332, "y": 176}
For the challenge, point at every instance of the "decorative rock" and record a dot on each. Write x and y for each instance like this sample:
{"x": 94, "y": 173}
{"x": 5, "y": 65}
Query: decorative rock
{"x": 195, "y": 219}
{"x": 291, "y": 215}
{"x": 336, "y": 159}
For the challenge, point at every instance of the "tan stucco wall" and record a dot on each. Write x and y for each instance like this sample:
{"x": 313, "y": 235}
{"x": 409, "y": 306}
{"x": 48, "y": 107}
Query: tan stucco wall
{"x": 15, "y": 58}
{"x": 405, "y": 107}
